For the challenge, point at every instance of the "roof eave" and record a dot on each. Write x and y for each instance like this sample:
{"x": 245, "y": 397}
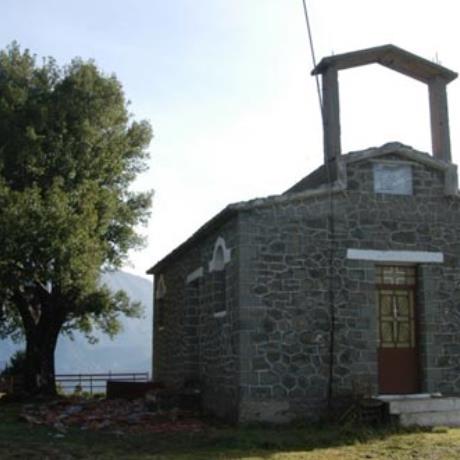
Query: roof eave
{"x": 205, "y": 229}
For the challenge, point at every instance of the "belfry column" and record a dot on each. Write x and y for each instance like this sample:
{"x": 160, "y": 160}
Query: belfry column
{"x": 440, "y": 135}
{"x": 331, "y": 114}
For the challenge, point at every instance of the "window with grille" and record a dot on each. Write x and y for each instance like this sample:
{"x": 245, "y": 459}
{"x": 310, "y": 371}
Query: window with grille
{"x": 396, "y": 290}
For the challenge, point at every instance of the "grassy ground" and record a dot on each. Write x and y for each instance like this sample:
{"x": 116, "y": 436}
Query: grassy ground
{"x": 19, "y": 440}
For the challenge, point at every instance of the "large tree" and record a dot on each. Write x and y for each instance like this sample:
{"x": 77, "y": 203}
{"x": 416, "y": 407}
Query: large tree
{"x": 69, "y": 151}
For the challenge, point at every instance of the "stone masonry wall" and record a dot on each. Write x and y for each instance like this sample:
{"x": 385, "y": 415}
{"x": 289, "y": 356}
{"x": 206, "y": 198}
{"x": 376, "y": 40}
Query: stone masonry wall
{"x": 195, "y": 344}
{"x": 295, "y": 282}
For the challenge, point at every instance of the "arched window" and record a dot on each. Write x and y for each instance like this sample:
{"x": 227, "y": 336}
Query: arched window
{"x": 160, "y": 290}
{"x": 220, "y": 258}
{"x": 219, "y": 263}
{"x": 160, "y": 293}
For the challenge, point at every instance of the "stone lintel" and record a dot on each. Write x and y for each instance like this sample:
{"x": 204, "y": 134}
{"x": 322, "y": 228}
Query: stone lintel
{"x": 422, "y": 257}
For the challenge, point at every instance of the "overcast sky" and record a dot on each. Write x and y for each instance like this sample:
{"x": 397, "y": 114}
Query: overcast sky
{"x": 226, "y": 86}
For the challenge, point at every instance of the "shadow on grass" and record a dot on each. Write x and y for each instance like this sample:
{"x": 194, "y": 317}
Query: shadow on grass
{"x": 268, "y": 440}
{"x": 20, "y": 440}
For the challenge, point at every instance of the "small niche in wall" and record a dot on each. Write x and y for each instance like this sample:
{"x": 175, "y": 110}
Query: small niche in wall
{"x": 393, "y": 178}
{"x": 192, "y": 298}
{"x": 220, "y": 258}
{"x": 160, "y": 293}
{"x": 219, "y": 297}
{"x": 160, "y": 290}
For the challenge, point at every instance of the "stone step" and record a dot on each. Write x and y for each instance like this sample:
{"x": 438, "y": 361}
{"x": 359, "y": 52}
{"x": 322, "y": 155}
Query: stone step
{"x": 424, "y": 409}
{"x": 424, "y": 405}
{"x": 449, "y": 418}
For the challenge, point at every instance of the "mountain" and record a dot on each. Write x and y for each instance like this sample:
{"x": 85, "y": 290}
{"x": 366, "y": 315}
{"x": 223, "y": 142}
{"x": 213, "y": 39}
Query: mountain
{"x": 129, "y": 351}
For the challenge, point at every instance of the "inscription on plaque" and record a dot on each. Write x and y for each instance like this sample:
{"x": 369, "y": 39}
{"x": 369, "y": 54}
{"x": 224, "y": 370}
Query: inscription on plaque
{"x": 395, "y": 179}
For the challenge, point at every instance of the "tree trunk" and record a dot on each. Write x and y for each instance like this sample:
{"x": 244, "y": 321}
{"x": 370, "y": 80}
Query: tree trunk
{"x": 39, "y": 377}
{"x": 42, "y": 320}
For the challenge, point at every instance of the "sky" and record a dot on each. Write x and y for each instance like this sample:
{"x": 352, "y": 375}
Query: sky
{"x": 226, "y": 86}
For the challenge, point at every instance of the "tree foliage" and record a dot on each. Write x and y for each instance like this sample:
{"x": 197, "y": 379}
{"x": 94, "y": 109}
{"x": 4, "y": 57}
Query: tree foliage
{"x": 69, "y": 151}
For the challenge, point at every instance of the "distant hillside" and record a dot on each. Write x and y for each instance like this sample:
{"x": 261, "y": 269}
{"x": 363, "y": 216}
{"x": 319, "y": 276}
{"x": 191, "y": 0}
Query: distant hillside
{"x": 131, "y": 350}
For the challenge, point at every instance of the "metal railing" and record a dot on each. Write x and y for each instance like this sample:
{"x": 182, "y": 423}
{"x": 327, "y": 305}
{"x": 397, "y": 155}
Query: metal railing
{"x": 96, "y": 383}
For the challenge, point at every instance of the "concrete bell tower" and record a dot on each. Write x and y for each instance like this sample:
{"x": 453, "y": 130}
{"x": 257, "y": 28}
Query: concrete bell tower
{"x": 435, "y": 76}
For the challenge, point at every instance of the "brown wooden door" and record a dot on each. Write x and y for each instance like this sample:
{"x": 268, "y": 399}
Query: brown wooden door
{"x": 397, "y": 353}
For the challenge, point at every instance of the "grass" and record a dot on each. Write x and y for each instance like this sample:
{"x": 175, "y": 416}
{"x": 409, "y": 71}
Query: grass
{"x": 18, "y": 440}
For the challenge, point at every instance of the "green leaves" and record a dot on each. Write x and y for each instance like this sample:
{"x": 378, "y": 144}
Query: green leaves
{"x": 68, "y": 154}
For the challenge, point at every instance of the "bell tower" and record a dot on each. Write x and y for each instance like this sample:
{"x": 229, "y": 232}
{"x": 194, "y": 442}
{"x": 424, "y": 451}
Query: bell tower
{"x": 435, "y": 76}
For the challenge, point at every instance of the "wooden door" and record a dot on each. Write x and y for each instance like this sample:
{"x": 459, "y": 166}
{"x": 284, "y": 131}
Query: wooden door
{"x": 397, "y": 353}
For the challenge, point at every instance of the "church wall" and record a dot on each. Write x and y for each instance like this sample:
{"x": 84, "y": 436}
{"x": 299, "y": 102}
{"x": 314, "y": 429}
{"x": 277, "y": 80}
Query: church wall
{"x": 197, "y": 344}
{"x": 292, "y": 289}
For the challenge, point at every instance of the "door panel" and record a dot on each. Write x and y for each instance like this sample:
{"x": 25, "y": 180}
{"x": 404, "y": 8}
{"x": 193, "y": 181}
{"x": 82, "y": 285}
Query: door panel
{"x": 398, "y": 371}
{"x": 397, "y": 353}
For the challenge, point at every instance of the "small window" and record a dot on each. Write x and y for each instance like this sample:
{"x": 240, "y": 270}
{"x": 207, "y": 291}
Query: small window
{"x": 220, "y": 256}
{"x": 219, "y": 288}
{"x": 160, "y": 293}
{"x": 393, "y": 179}
{"x": 396, "y": 275}
{"x": 219, "y": 262}
{"x": 396, "y": 293}
{"x": 192, "y": 294}
{"x": 160, "y": 314}
{"x": 160, "y": 287}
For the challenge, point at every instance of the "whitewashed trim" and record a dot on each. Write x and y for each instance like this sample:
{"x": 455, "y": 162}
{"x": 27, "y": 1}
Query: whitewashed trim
{"x": 422, "y": 257}
{"x": 220, "y": 314}
{"x": 160, "y": 288}
{"x": 214, "y": 264}
{"x": 198, "y": 273}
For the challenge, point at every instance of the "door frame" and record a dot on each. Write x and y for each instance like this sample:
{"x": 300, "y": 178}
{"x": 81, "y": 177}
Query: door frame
{"x": 379, "y": 286}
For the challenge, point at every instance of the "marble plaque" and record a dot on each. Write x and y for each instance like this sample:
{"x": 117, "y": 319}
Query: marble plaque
{"x": 395, "y": 179}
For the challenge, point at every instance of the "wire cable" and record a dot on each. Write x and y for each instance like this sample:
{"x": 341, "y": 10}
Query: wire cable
{"x": 331, "y": 230}
{"x": 312, "y": 51}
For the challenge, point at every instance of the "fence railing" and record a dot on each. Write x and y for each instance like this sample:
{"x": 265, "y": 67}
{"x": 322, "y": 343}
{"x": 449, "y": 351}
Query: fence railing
{"x": 96, "y": 383}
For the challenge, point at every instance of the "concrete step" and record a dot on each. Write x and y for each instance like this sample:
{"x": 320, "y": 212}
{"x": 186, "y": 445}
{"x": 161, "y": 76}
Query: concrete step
{"x": 446, "y": 418}
{"x": 425, "y": 410}
{"x": 424, "y": 405}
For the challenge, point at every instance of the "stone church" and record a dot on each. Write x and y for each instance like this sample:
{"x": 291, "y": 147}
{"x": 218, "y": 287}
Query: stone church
{"x": 346, "y": 284}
